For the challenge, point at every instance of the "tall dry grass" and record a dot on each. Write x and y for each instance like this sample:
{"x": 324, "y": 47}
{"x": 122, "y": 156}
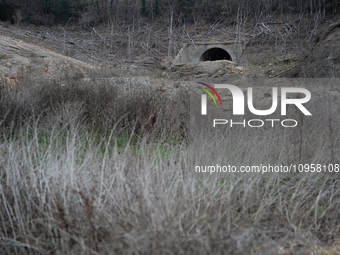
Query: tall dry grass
{"x": 83, "y": 173}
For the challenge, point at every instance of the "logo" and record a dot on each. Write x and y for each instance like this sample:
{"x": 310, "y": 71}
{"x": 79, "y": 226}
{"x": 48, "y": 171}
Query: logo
{"x": 204, "y": 97}
{"x": 238, "y": 107}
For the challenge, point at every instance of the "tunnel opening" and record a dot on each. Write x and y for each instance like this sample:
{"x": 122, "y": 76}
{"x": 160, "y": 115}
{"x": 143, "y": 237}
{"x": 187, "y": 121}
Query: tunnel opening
{"x": 214, "y": 54}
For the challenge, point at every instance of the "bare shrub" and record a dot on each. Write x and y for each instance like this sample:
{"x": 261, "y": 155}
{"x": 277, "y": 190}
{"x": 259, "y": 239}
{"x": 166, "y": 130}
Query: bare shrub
{"x": 100, "y": 104}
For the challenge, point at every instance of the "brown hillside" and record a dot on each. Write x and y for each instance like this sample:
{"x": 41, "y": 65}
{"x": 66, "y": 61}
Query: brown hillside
{"x": 323, "y": 58}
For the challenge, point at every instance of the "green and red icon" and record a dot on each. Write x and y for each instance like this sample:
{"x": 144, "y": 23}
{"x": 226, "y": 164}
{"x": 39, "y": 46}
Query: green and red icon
{"x": 213, "y": 90}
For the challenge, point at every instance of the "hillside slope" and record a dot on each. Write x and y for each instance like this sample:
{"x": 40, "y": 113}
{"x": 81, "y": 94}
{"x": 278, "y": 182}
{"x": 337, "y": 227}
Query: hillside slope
{"x": 18, "y": 57}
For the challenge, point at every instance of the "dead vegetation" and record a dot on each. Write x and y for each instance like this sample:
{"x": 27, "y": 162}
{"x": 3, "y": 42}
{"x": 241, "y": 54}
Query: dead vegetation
{"x": 86, "y": 170}
{"x": 92, "y": 166}
{"x": 321, "y": 60}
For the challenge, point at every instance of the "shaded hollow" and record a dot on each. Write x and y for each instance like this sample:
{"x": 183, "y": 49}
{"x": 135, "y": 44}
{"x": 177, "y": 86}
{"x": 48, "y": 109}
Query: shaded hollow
{"x": 215, "y": 54}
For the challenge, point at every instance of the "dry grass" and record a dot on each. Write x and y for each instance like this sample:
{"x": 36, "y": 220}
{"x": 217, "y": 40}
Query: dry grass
{"x": 79, "y": 175}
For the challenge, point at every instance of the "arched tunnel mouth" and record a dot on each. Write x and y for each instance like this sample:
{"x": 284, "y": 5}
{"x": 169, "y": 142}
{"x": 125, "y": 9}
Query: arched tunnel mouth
{"x": 214, "y": 54}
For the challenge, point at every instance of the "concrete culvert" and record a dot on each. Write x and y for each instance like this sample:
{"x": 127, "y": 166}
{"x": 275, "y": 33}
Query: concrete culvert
{"x": 215, "y": 54}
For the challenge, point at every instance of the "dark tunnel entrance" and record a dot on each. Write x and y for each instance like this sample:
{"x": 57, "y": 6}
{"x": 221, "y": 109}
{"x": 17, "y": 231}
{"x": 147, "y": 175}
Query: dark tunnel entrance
{"x": 215, "y": 54}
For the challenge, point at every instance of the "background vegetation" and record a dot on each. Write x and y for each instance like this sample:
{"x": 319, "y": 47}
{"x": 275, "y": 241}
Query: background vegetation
{"x": 183, "y": 11}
